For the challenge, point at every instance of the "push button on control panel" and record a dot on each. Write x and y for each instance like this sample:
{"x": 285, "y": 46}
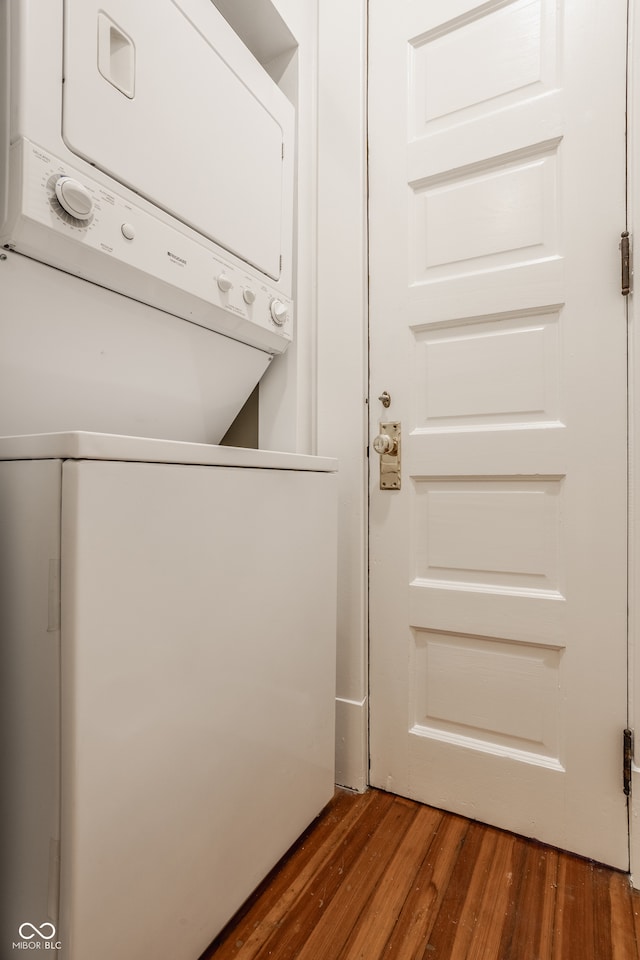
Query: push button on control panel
{"x": 128, "y": 231}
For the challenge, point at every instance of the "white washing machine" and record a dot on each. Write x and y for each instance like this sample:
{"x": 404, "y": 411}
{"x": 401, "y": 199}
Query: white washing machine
{"x": 167, "y": 613}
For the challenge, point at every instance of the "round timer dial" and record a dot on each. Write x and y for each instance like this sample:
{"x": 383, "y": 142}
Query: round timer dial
{"x": 278, "y": 311}
{"x": 74, "y": 198}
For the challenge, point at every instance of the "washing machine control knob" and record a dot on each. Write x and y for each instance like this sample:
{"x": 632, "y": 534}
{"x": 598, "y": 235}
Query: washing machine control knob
{"x": 74, "y": 198}
{"x": 278, "y": 312}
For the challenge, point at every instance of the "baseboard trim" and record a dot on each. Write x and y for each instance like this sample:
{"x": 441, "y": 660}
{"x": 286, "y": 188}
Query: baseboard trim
{"x": 352, "y": 746}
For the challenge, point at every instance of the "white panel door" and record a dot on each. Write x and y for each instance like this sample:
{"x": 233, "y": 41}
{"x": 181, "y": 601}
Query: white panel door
{"x": 498, "y": 573}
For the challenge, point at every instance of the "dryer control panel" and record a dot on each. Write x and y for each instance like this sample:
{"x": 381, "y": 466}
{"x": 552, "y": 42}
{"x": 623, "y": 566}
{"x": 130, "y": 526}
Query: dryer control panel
{"x": 70, "y": 221}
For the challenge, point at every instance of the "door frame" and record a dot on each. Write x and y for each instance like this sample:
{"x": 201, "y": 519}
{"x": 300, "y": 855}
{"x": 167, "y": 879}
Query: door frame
{"x": 633, "y": 226}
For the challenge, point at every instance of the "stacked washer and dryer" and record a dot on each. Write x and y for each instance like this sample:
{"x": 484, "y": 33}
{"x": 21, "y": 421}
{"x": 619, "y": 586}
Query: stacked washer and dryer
{"x": 167, "y": 605}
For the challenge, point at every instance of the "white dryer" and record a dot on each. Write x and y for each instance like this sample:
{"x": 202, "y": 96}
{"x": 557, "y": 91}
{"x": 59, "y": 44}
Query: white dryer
{"x": 167, "y": 612}
{"x": 146, "y": 151}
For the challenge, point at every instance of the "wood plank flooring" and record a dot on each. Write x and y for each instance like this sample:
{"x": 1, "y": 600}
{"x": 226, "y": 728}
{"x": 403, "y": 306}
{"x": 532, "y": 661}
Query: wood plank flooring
{"x": 378, "y": 876}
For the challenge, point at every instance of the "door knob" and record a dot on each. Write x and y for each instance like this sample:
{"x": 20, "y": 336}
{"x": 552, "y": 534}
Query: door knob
{"x": 383, "y": 443}
{"x": 387, "y": 444}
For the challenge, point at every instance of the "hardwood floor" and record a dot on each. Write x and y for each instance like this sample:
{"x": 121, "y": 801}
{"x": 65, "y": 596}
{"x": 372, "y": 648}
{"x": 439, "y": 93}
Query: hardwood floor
{"x": 377, "y": 876}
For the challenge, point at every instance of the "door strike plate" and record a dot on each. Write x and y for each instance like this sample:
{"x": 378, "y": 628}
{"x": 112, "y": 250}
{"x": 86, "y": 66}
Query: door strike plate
{"x": 387, "y": 445}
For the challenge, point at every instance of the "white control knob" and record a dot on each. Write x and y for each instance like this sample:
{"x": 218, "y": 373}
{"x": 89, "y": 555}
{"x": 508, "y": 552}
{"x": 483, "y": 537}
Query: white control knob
{"x": 248, "y": 295}
{"x": 224, "y": 283}
{"x": 278, "y": 312}
{"x": 74, "y": 198}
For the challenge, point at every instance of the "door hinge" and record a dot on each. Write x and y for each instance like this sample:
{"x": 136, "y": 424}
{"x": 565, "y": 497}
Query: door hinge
{"x": 625, "y": 260}
{"x": 627, "y": 761}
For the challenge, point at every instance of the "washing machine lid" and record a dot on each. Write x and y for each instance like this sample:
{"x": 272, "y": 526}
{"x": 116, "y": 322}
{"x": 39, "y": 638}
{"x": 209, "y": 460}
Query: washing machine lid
{"x": 82, "y": 445}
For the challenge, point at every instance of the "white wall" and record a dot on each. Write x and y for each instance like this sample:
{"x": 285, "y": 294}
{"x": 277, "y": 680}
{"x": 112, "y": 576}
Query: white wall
{"x": 342, "y": 350}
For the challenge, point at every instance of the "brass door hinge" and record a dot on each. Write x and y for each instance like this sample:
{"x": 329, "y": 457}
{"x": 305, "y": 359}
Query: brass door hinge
{"x": 625, "y": 261}
{"x": 627, "y": 761}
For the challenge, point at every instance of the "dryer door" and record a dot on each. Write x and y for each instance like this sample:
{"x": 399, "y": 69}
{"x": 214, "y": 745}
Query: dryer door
{"x": 169, "y": 102}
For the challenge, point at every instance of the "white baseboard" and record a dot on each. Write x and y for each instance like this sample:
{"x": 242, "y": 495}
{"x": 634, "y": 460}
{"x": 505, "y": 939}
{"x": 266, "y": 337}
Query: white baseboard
{"x": 352, "y": 753}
